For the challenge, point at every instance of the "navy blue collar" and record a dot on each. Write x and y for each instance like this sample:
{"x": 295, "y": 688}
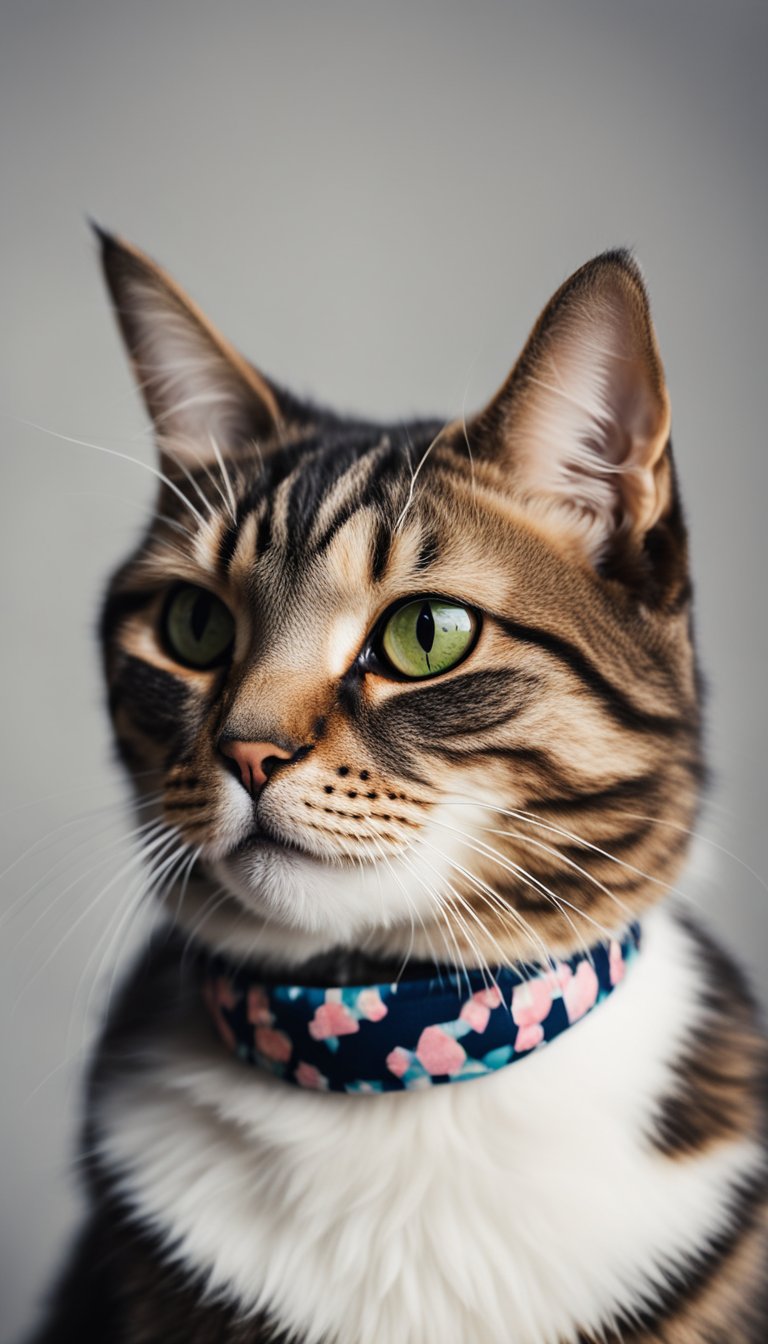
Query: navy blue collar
{"x": 412, "y": 1033}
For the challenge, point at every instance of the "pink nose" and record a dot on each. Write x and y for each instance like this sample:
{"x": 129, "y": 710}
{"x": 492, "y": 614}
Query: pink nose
{"x": 255, "y": 761}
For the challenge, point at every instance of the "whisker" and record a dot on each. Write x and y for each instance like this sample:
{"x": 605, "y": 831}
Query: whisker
{"x": 212, "y": 903}
{"x": 126, "y": 457}
{"x": 37, "y": 886}
{"x": 409, "y": 903}
{"x": 530, "y": 879}
{"x": 415, "y": 475}
{"x": 136, "y": 858}
{"x": 82, "y": 818}
{"x": 151, "y": 892}
{"x": 71, "y": 789}
{"x": 571, "y": 863}
{"x": 698, "y": 835}
{"x": 405, "y": 892}
{"x": 184, "y": 883}
{"x": 179, "y": 462}
{"x": 133, "y": 900}
{"x": 440, "y": 902}
{"x": 498, "y": 904}
{"x": 503, "y": 956}
{"x": 529, "y": 819}
{"x": 226, "y": 479}
{"x": 435, "y": 900}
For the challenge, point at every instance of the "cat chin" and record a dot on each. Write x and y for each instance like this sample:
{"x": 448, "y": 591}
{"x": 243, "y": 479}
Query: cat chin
{"x": 268, "y": 899}
{"x": 276, "y": 904}
{"x": 257, "y": 896}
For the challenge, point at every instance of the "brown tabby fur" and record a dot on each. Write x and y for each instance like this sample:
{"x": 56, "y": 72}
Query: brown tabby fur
{"x": 579, "y": 708}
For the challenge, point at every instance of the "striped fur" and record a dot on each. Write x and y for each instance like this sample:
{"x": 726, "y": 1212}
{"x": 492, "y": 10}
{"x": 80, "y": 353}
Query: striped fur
{"x": 539, "y": 795}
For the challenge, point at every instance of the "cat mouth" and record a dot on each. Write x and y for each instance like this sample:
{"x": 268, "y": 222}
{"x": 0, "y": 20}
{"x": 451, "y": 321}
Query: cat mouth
{"x": 258, "y": 839}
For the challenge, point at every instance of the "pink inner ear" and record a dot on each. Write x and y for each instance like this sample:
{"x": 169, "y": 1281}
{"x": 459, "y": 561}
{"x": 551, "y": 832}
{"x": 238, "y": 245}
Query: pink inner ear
{"x": 203, "y": 396}
{"x": 585, "y": 416}
{"x": 590, "y": 434}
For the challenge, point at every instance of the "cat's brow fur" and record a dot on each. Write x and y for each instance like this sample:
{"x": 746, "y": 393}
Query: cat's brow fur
{"x": 539, "y": 795}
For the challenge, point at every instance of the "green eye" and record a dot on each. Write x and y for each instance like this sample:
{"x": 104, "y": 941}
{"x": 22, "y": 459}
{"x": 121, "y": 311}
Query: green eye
{"x": 428, "y": 636}
{"x": 198, "y": 627}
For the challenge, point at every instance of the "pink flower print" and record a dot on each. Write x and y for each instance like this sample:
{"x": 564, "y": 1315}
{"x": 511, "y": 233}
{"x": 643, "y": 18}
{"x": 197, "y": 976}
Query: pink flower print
{"x": 477, "y": 1010}
{"x": 438, "y": 1052}
{"x": 307, "y": 1075}
{"x": 529, "y": 1037}
{"x": 273, "y": 1044}
{"x": 616, "y": 962}
{"x": 581, "y": 991}
{"x": 490, "y": 998}
{"x": 332, "y": 1019}
{"x": 370, "y": 1006}
{"x": 532, "y": 1001}
{"x": 258, "y": 1008}
{"x": 561, "y": 974}
{"x": 398, "y": 1061}
{"x": 476, "y": 1015}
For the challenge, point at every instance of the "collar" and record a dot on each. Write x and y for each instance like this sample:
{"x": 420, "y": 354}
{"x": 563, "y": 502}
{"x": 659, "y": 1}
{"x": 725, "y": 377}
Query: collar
{"x": 409, "y": 1034}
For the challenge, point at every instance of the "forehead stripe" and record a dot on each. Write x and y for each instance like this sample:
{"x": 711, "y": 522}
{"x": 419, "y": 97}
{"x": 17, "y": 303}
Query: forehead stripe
{"x": 374, "y": 468}
{"x": 366, "y": 477}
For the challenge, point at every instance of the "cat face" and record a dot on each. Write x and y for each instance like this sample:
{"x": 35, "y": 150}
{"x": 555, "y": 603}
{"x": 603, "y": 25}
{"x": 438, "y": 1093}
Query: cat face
{"x": 427, "y": 686}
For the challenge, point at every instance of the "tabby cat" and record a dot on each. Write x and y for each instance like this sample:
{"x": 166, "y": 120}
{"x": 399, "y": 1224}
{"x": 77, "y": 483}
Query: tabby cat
{"x": 430, "y": 1054}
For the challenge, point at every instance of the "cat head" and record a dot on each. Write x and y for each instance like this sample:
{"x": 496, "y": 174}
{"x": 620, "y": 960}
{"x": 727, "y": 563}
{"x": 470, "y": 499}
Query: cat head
{"x": 426, "y": 686}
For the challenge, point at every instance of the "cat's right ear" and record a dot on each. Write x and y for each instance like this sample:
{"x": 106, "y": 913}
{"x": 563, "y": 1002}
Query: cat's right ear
{"x": 203, "y": 396}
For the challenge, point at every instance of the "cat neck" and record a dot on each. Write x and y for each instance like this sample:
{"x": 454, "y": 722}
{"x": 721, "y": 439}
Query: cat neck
{"x": 218, "y": 924}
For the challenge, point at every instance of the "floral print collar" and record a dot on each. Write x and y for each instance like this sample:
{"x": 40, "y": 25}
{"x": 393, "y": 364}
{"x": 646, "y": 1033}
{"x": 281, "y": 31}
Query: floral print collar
{"x": 411, "y": 1034}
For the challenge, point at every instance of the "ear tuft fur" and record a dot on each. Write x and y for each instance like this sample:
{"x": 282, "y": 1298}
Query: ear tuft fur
{"x": 583, "y": 420}
{"x": 202, "y": 395}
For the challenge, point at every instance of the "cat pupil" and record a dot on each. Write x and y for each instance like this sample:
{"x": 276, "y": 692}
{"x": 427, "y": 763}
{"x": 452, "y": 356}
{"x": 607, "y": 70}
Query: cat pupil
{"x": 425, "y": 628}
{"x": 199, "y": 615}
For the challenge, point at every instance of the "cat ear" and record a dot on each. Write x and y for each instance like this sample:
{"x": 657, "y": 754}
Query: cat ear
{"x": 202, "y": 395}
{"x": 583, "y": 420}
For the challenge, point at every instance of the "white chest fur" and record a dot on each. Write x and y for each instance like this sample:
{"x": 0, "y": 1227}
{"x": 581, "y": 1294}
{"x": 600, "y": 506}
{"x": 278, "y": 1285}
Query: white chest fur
{"x": 517, "y": 1207}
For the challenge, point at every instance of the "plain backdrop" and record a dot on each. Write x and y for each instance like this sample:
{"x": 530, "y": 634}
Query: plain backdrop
{"x": 373, "y": 203}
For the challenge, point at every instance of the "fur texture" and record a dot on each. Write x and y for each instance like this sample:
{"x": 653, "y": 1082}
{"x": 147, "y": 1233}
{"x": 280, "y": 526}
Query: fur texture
{"x": 528, "y": 799}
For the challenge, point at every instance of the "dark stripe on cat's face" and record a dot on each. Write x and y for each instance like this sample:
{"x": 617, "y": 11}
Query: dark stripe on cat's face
{"x": 319, "y": 471}
{"x": 155, "y": 700}
{"x": 420, "y": 722}
{"x": 319, "y": 466}
{"x": 615, "y": 700}
{"x": 633, "y": 790}
{"x": 388, "y": 466}
{"x": 380, "y": 548}
{"x": 429, "y": 551}
{"x": 313, "y": 487}
{"x": 228, "y": 543}
{"x": 121, "y": 605}
{"x": 468, "y": 704}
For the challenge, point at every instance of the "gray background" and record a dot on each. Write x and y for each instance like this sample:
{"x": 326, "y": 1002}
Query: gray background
{"x": 374, "y": 206}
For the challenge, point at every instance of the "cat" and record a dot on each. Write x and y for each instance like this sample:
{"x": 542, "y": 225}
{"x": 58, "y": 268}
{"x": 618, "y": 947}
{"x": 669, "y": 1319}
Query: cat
{"x": 412, "y": 713}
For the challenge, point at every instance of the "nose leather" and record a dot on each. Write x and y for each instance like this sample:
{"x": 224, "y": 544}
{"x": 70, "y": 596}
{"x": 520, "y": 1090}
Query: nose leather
{"x": 251, "y": 758}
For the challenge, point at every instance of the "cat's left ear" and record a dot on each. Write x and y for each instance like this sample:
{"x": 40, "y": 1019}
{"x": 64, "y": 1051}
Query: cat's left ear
{"x": 202, "y": 395}
{"x": 582, "y": 423}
